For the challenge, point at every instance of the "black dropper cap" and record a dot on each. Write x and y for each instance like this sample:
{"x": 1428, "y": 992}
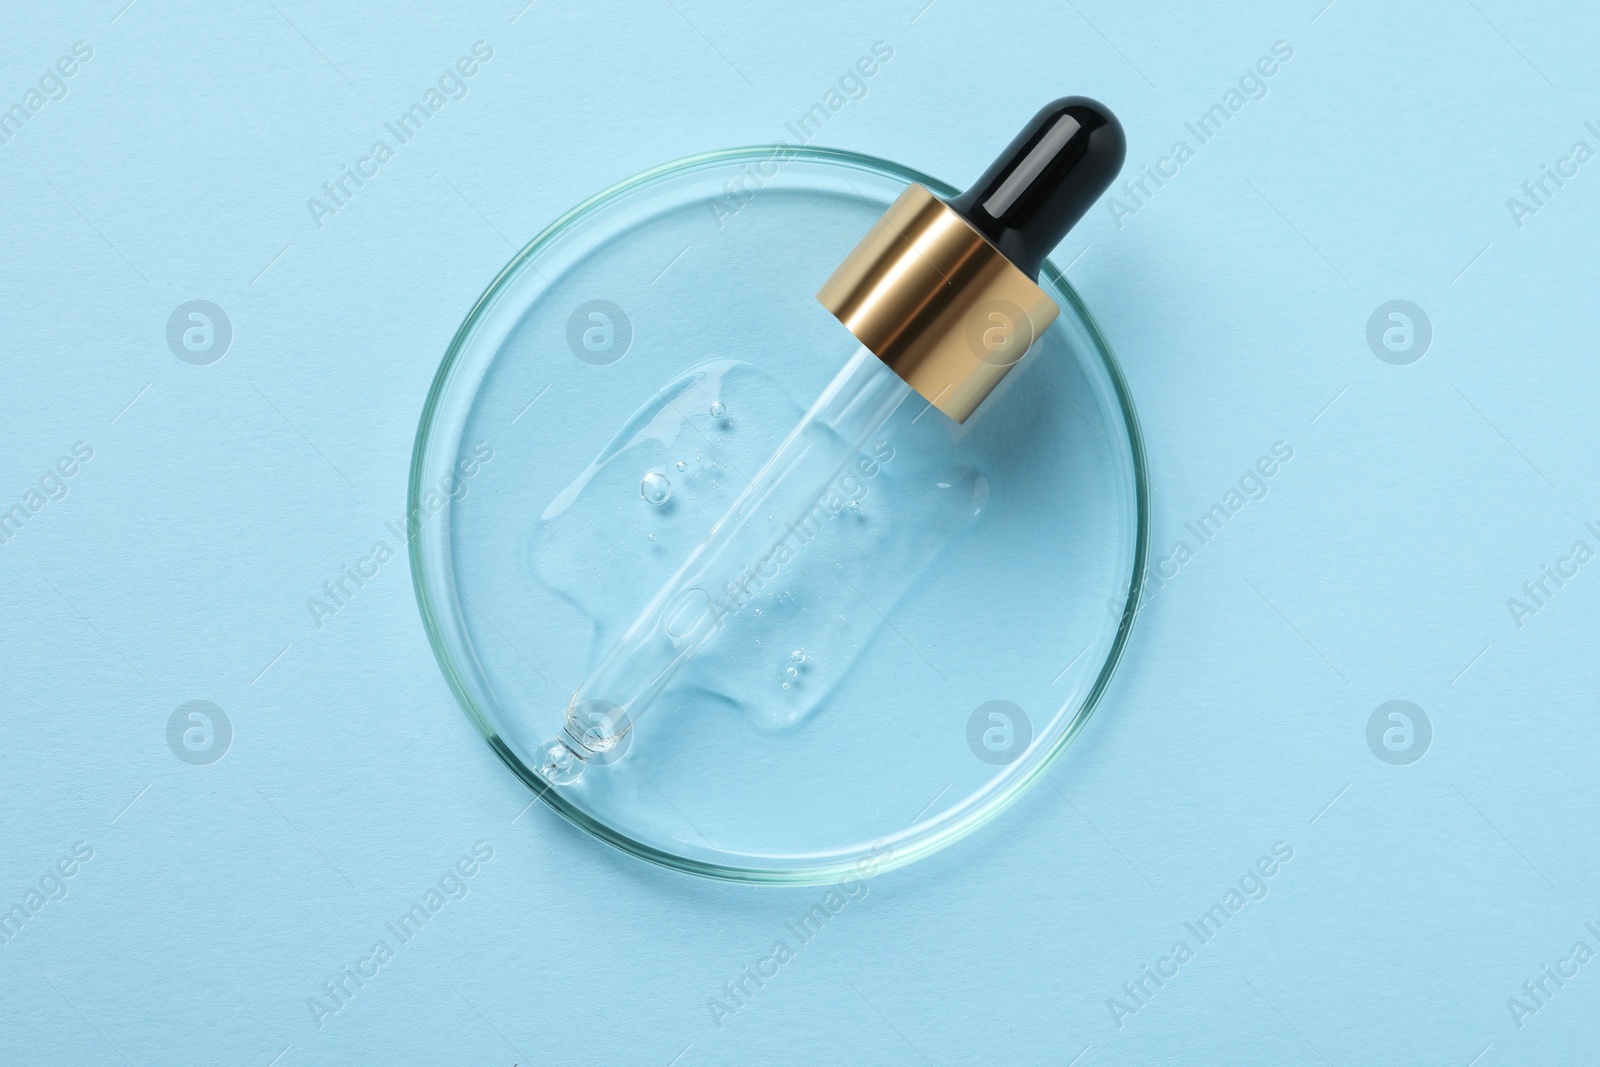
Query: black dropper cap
{"x": 1046, "y": 180}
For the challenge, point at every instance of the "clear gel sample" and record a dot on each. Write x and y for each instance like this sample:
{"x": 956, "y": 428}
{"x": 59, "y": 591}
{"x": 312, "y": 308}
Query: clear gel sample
{"x": 765, "y": 568}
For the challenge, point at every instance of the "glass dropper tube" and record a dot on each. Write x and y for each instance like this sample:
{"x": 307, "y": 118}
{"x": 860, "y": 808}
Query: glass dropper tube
{"x": 771, "y": 518}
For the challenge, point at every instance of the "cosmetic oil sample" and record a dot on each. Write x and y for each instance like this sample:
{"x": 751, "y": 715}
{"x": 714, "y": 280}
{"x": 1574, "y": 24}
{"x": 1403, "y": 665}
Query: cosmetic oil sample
{"x": 812, "y": 594}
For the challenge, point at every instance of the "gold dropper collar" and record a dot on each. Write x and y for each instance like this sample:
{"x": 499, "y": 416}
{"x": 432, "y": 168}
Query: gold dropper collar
{"x": 931, "y": 297}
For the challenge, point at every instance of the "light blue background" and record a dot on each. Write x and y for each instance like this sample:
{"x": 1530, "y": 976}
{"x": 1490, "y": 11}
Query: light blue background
{"x": 1419, "y": 499}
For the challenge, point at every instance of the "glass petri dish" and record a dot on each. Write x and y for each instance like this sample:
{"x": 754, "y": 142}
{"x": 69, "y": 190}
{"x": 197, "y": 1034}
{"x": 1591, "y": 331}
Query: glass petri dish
{"x": 932, "y": 650}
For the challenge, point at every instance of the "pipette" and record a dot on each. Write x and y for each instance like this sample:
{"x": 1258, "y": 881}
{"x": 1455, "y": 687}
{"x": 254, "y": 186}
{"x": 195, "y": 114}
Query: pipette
{"x": 943, "y": 299}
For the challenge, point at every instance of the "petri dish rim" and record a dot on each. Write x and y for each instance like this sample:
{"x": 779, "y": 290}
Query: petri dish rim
{"x": 920, "y": 842}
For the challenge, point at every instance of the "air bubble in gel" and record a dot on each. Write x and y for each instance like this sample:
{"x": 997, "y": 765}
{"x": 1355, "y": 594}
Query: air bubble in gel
{"x": 655, "y": 489}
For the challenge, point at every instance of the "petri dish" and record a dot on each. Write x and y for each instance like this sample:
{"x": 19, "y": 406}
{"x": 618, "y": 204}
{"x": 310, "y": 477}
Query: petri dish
{"x": 931, "y": 651}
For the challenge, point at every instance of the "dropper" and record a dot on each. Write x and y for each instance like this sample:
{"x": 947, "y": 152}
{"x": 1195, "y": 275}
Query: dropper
{"x": 943, "y": 297}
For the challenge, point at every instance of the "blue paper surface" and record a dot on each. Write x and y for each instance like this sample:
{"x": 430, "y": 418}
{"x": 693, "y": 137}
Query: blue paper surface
{"x": 1421, "y": 545}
